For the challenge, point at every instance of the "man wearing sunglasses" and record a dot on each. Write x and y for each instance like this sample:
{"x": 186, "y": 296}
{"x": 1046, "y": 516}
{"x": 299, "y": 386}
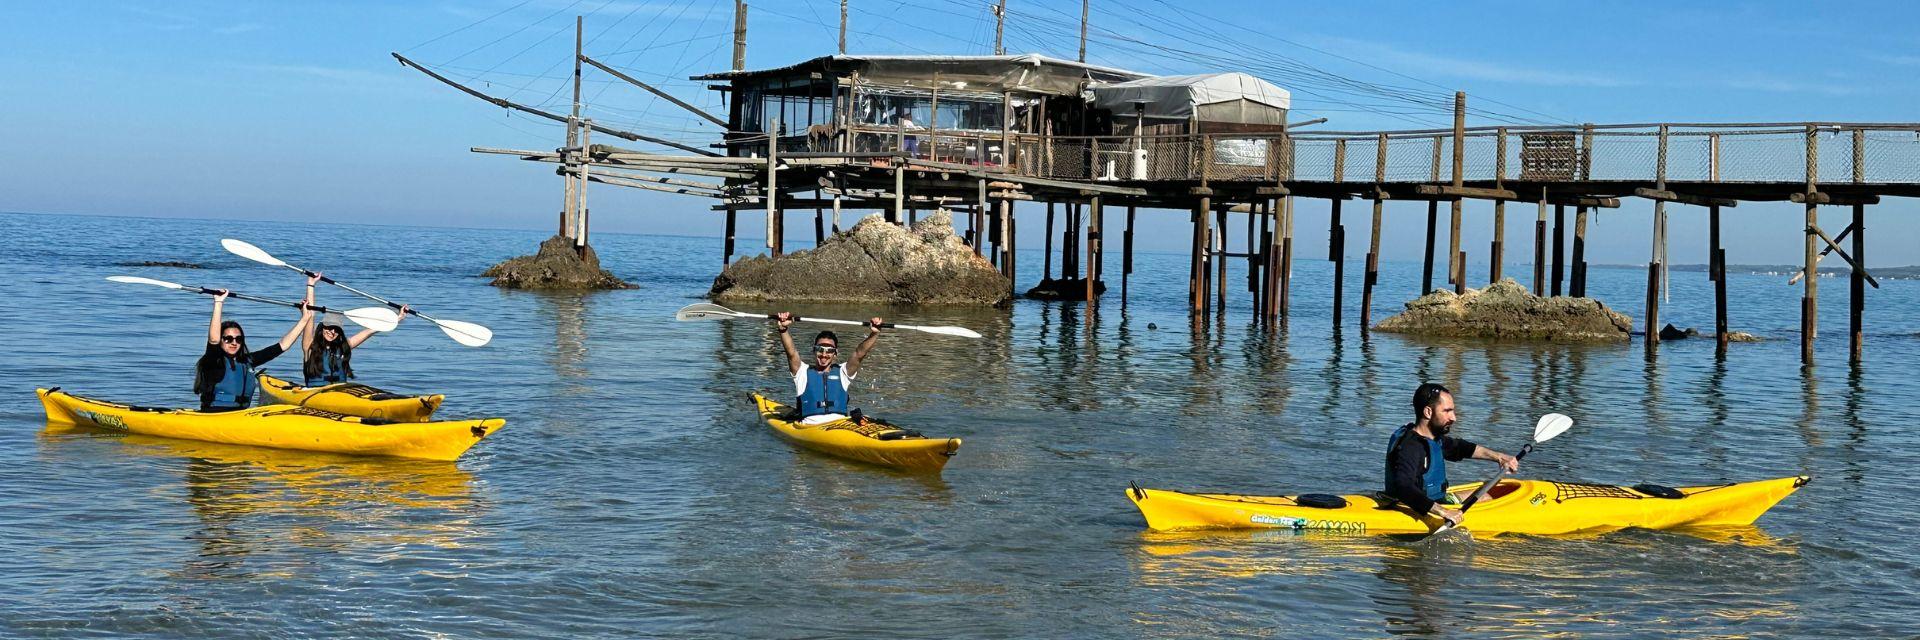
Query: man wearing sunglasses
{"x": 820, "y": 385}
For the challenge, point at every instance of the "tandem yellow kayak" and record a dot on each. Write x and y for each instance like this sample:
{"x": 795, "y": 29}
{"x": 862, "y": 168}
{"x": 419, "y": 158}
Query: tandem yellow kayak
{"x": 353, "y": 399}
{"x": 1538, "y": 507}
{"x": 870, "y": 441}
{"x": 277, "y": 426}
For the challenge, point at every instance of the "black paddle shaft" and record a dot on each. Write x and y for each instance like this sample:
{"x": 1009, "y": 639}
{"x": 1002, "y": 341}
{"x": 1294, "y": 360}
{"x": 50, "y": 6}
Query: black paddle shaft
{"x": 776, "y": 316}
{"x": 1496, "y": 480}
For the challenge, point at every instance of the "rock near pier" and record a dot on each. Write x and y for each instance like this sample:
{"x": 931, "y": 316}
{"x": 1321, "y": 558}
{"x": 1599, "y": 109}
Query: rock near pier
{"x": 558, "y": 266}
{"x": 873, "y": 262}
{"x": 1507, "y": 310}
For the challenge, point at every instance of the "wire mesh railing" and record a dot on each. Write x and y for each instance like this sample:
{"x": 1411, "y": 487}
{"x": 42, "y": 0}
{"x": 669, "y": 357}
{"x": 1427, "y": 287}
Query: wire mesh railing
{"x": 1838, "y": 153}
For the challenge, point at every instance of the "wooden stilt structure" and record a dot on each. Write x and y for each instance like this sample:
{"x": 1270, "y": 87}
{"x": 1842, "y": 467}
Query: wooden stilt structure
{"x": 1337, "y": 236}
{"x": 1456, "y": 260}
{"x": 1373, "y": 243}
{"x": 1126, "y": 256}
{"x": 1497, "y": 252}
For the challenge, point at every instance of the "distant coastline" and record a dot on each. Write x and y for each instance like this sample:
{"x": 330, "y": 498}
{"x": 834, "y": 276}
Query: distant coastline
{"x": 1910, "y": 272}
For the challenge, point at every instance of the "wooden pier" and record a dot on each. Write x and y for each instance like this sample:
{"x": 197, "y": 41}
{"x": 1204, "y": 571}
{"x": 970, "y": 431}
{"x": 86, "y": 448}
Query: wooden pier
{"x": 842, "y": 132}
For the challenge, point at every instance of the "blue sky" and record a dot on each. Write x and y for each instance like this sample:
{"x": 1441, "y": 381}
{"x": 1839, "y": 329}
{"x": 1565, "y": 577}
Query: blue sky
{"x": 295, "y": 111}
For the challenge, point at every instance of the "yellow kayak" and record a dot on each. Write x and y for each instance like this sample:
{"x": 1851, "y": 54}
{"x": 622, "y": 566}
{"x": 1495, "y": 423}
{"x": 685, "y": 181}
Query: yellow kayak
{"x": 869, "y": 441}
{"x": 277, "y": 426}
{"x": 352, "y": 398}
{"x": 1514, "y": 506}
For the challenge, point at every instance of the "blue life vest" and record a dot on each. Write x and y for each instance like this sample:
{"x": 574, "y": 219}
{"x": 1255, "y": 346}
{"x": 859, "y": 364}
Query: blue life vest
{"x": 824, "y": 392}
{"x": 236, "y": 386}
{"x": 1435, "y": 480}
{"x": 330, "y": 371}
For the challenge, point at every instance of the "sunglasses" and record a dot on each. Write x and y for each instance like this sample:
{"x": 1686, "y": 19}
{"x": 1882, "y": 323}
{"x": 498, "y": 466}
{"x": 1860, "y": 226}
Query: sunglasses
{"x": 232, "y": 339}
{"x": 821, "y": 348}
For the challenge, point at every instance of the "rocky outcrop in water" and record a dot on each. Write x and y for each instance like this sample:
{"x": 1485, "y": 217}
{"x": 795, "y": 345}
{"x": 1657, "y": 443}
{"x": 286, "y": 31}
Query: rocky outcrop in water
{"x": 1507, "y": 310}
{"x": 1065, "y": 289}
{"x": 873, "y": 262}
{"x": 557, "y": 267}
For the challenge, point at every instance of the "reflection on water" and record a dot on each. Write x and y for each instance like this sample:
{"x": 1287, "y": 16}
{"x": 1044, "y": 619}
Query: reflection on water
{"x": 251, "y": 501}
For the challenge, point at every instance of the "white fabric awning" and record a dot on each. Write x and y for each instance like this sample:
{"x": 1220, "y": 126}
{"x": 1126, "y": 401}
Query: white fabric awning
{"x": 1239, "y": 96}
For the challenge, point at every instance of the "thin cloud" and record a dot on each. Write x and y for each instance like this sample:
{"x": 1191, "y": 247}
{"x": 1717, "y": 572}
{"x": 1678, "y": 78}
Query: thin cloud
{"x": 244, "y": 27}
{"x": 1776, "y": 84}
{"x": 337, "y": 74}
{"x": 1422, "y": 63}
{"x": 1904, "y": 61}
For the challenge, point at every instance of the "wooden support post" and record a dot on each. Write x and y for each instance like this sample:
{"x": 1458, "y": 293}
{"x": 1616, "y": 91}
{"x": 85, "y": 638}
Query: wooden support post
{"x": 1270, "y": 285}
{"x": 1656, "y": 263}
{"x": 1540, "y": 248}
{"x": 1559, "y": 247}
{"x": 726, "y": 251}
{"x": 1498, "y": 251}
{"x": 1126, "y": 256}
{"x": 1220, "y": 260}
{"x": 899, "y": 194}
{"x": 1579, "y": 287}
{"x": 1373, "y": 243}
{"x": 1070, "y": 243}
{"x": 1809, "y": 299}
{"x": 1433, "y": 220}
{"x": 1047, "y": 250}
{"x": 1093, "y": 247}
{"x": 1857, "y": 282}
{"x": 1196, "y": 287}
{"x": 819, "y": 227}
{"x": 1005, "y": 247}
{"x": 978, "y": 220}
{"x": 836, "y": 213}
{"x": 1259, "y": 243}
{"x": 772, "y": 194}
{"x": 1253, "y": 255}
{"x": 1456, "y": 263}
{"x": 1286, "y": 256}
{"x": 1717, "y": 271}
{"x": 1337, "y": 236}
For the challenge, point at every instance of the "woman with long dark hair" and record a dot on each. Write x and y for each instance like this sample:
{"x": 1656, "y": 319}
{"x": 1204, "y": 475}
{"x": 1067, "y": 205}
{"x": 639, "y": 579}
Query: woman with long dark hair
{"x": 224, "y": 377}
{"x": 329, "y": 352}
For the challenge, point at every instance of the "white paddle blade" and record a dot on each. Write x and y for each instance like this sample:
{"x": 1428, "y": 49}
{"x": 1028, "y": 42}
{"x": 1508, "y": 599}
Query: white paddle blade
{"x": 961, "y": 332}
{"x": 376, "y": 318}
{"x": 704, "y": 311}
{"x": 466, "y": 333}
{"x": 1551, "y": 425}
{"x": 246, "y": 250}
{"x": 140, "y": 280}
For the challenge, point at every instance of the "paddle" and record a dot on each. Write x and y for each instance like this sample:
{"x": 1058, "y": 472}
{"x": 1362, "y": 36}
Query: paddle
{"x": 1550, "y": 425}
{"x": 465, "y": 333}
{"x": 375, "y": 318}
{"x": 709, "y": 311}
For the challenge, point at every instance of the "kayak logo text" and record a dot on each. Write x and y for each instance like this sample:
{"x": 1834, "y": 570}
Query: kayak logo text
{"x": 104, "y": 420}
{"x": 1304, "y": 523}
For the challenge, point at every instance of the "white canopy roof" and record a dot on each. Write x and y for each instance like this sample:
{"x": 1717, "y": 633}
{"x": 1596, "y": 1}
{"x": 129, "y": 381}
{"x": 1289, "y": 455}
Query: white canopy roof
{"x": 1180, "y": 97}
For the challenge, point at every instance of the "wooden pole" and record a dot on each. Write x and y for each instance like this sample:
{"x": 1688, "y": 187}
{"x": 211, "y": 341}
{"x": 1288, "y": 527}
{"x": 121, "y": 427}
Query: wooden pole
{"x": 1286, "y": 256}
{"x": 899, "y": 194}
{"x": 1083, "y": 31}
{"x": 1010, "y": 255}
{"x": 1457, "y": 266}
{"x": 1433, "y": 220}
{"x": 1373, "y": 244}
{"x": 1540, "y": 248}
{"x": 999, "y": 27}
{"x": 1559, "y": 247}
{"x": 1579, "y": 286}
{"x": 1069, "y": 243}
{"x": 1857, "y": 287}
{"x": 773, "y": 193}
{"x": 1809, "y": 300}
{"x": 1126, "y": 256}
{"x": 726, "y": 252}
{"x": 1047, "y": 251}
{"x": 843, "y": 27}
{"x": 1498, "y": 251}
{"x": 1337, "y": 235}
{"x": 1659, "y": 251}
{"x": 979, "y": 217}
{"x": 739, "y": 35}
{"x": 1093, "y": 246}
{"x": 586, "y": 164}
{"x": 1220, "y": 259}
{"x": 1270, "y": 287}
{"x": 1716, "y": 256}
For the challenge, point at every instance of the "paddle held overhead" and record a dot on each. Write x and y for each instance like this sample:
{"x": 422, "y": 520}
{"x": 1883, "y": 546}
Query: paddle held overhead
{"x": 710, "y": 311}
{"x": 466, "y": 333}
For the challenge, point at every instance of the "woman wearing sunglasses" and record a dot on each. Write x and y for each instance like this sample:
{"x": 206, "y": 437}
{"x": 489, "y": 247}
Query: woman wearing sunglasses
{"x": 821, "y": 385}
{"x": 224, "y": 378}
{"x": 329, "y": 352}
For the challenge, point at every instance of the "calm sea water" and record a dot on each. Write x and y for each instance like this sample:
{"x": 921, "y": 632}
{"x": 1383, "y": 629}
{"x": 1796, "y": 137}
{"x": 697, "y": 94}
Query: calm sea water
{"x": 634, "y": 493}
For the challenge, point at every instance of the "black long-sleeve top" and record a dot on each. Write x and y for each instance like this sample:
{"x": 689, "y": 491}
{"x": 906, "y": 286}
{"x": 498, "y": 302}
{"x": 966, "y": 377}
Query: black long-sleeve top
{"x": 1407, "y": 467}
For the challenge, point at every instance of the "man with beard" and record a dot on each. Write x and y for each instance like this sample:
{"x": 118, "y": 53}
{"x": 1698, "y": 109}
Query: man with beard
{"x": 1418, "y": 453}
